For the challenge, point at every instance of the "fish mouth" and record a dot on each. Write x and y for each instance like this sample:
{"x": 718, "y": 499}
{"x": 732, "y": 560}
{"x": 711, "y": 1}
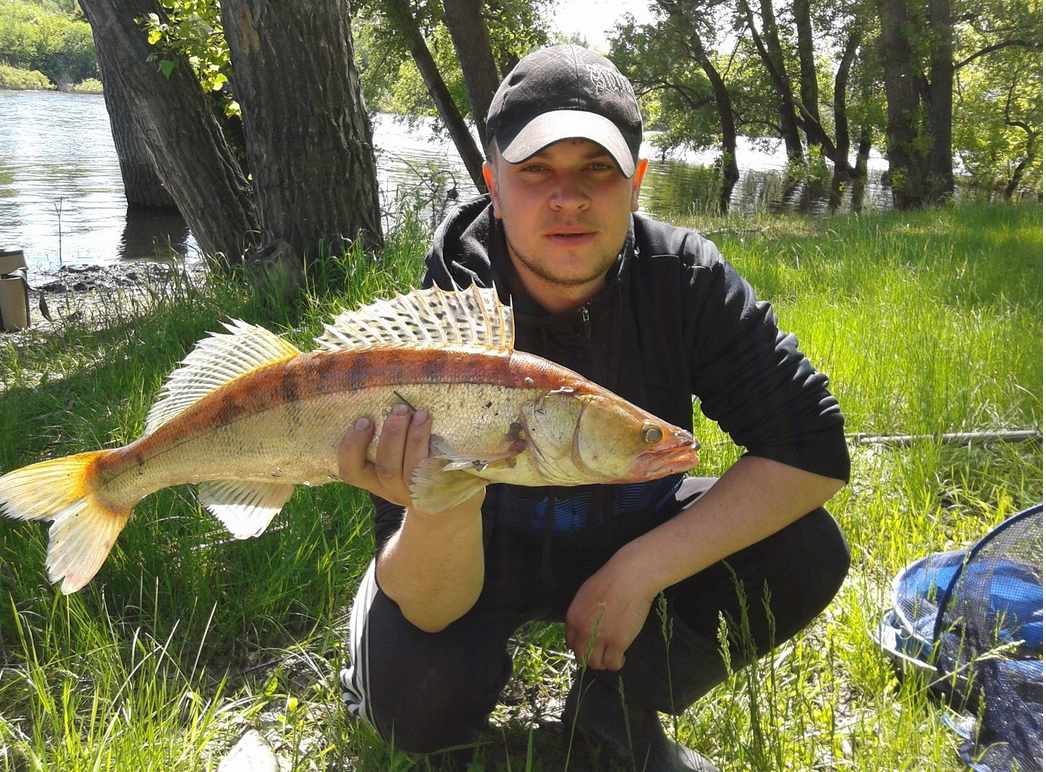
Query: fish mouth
{"x": 679, "y": 456}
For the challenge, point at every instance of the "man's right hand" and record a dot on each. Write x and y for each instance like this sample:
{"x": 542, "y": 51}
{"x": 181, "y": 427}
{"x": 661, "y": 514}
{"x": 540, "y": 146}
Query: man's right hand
{"x": 403, "y": 444}
{"x": 432, "y": 565}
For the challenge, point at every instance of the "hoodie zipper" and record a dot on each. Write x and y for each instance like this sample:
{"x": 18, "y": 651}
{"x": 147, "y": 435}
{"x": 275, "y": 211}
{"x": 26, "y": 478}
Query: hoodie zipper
{"x": 586, "y": 320}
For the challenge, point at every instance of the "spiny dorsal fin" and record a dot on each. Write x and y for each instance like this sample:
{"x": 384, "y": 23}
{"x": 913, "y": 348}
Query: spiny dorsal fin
{"x": 472, "y": 317}
{"x": 214, "y": 362}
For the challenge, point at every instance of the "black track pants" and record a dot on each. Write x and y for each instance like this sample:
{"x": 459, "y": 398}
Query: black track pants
{"x": 426, "y": 691}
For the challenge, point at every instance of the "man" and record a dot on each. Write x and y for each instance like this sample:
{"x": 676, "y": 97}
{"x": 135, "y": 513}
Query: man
{"x": 655, "y": 314}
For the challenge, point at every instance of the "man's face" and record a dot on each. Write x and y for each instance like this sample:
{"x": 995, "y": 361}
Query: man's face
{"x": 565, "y": 212}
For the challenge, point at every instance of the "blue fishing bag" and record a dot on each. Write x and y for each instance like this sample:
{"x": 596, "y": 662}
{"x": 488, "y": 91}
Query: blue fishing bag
{"x": 972, "y": 619}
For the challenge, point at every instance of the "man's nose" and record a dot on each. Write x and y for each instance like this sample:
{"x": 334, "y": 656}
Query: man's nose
{"x": 569, "y": 194}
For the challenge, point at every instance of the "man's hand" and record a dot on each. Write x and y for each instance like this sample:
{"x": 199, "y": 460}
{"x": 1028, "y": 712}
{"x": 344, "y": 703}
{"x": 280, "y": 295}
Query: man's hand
{"x": 606, "y": 616}
{"x": 403, "y": 444}
{"x": 432, "y": 566}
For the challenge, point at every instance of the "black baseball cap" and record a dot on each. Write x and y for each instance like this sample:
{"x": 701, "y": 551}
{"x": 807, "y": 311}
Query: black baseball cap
{"x": 564, "y": 92}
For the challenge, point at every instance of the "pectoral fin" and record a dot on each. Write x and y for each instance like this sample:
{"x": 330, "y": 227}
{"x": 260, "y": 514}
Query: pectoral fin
{"x": 466, "y": 462}
{"x": 245, "y": 507}
{"x": 435, "y": 488}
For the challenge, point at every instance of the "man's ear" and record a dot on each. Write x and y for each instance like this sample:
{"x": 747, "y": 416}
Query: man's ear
{"x": 637, "y": 181}
{"x": 490, "y": 176}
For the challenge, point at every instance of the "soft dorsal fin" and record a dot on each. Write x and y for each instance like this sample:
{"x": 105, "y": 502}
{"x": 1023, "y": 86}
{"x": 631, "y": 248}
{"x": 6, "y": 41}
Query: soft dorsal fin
{"x": 214, "y": 362}
{"x": 472, "y": 317}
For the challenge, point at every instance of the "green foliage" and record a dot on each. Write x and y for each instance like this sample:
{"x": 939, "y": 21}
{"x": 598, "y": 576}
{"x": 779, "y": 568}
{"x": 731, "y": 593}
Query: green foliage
{"x": 47, "y": 38}
{"x": 193, "y": 29}
{"x": 14, "y": 79}
{"x": 89, "y": 86}
{"x": 998, "y": 126}
{"x": 391, "y": 81}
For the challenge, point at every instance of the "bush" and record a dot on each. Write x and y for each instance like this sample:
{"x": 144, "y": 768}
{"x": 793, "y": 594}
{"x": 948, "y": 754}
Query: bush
{"x": 89, "y": 86}
{"x": 14, "y": 79}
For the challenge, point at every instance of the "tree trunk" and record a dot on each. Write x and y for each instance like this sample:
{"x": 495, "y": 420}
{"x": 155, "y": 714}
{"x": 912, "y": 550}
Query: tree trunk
{"x": 841, "y": 159}
{"x": 727, "y": 128}
{"x": 141, "y": 185}
{"x": 173, "y": 118}
{"x": 308, "y": 137}
{"x": 401, "y": 16}
{"x": 903, "y": 105}
{"x": 918, "y": 104}
{"x": 468, "y": 31}
{"x": 941, "y": 180}
{"x": 768, "y": 45}
{"x": 808, "y": 92}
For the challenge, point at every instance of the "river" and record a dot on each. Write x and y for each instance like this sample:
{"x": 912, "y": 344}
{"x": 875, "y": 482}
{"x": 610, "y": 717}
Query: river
{"x": 61, "y": 196}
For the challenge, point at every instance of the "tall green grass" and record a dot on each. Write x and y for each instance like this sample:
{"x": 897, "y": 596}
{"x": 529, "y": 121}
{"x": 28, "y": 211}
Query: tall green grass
{"x": 927, "y": 323}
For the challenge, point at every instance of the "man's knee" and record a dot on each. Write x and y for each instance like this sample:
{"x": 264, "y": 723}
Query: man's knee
{"x": 821, "y": 555}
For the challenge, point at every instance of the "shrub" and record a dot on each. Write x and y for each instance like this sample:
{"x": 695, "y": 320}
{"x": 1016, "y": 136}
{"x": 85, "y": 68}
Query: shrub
{"x": 89, "y": 86}
{"x": 14, "y": 79}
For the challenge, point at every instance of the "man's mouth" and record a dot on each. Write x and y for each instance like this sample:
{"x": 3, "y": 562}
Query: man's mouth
{"x": 570, "y": 235}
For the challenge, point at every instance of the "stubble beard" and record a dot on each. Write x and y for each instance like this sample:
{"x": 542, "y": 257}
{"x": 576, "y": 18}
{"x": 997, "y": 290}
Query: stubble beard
{"x": 547, "y": 273}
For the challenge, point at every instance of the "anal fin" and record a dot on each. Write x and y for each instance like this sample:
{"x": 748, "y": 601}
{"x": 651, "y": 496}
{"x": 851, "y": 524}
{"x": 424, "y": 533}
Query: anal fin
{"x": 245, "y": 507}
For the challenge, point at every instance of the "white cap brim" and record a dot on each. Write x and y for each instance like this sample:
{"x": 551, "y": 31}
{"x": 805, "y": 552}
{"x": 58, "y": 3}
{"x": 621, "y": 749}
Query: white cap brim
{"x": 558, "y": 125}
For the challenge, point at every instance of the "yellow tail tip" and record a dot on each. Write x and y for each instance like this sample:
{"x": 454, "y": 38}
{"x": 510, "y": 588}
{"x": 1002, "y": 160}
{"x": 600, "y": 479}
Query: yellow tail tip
{"x": 83, "y": 530}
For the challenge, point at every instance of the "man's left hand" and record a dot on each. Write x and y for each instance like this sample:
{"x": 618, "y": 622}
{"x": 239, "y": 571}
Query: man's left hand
{"x": 606, "y": 616}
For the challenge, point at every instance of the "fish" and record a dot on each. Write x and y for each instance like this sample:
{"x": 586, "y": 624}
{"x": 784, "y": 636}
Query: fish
{"x": 247, "y": 417}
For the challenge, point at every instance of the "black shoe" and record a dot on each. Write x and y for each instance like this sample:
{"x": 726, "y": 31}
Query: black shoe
{"x": 636, "y": 741}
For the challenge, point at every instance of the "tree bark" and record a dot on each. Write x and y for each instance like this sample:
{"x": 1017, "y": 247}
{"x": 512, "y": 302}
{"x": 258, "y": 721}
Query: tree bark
{"x": 468, "y": 31}
{"x": 841, "y": 158}
{"x": 941, "y": 75}
{"x": 918, "y": 103}
{"x": 174, "y": 120}
{"x": 903, "y": 105}
{"x": 402, "y": 18}
{"x": 768, "y": 45}
{"x": 808, "y": 91}
{"x": 308, "y": 138}
{"x": 141, "y": 185}
{"x": 727, "y": 127}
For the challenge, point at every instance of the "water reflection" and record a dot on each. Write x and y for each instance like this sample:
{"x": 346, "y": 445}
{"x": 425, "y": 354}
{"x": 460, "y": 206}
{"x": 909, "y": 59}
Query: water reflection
{"x": 153, "y": 235}
{"x": 61, "y": 194}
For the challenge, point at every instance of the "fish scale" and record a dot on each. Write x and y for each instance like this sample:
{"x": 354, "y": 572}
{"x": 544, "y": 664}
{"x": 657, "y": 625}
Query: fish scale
{"x": 247, "y": 417}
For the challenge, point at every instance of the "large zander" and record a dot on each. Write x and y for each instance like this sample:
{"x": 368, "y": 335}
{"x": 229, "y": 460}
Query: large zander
{"x": 248, "y": 416}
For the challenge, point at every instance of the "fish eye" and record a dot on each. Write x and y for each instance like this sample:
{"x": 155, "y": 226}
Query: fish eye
{"x": 652, "y": 434}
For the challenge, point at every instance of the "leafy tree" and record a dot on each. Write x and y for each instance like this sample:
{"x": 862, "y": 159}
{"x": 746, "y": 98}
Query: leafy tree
{"x": 48, "y": 38}
{"x": 687, "y": 93}
{"x": 924, "y": 45}
{"x": 400, "y": 31}
{"x": 998, "y": 126}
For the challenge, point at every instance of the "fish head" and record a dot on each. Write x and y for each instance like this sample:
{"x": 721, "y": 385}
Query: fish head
{"x": 579, "y": 437}
{"x": 624, "y": 443}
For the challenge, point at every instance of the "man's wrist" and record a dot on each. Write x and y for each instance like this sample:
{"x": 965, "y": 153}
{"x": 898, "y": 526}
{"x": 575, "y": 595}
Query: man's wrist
{"x": 641, "y": 561}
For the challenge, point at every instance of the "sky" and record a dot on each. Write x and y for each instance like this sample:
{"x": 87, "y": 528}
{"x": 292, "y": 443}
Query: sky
{"x": 592, "y": 19}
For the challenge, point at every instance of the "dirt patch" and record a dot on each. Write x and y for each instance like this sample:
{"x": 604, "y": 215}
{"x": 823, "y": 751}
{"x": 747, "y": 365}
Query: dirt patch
{"x": 94, "y": 294}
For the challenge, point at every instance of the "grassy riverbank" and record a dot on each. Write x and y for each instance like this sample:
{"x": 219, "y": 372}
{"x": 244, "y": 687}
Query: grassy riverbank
{"x": 927, "y": 323}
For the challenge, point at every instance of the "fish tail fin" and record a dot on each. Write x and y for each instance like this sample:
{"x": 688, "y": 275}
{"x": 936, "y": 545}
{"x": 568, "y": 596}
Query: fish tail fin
{"x": 83, "y": 529}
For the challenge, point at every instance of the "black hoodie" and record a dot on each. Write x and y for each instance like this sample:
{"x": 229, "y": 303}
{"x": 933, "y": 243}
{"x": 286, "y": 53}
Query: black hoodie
{"x": 673, "y": 322}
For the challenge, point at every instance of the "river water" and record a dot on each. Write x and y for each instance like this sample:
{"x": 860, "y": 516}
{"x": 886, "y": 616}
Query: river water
{"x": 61, "y": 196}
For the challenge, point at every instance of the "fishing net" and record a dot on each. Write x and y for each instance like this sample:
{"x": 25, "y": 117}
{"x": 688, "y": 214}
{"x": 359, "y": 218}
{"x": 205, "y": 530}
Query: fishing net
{"x": 973, "y": 618}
